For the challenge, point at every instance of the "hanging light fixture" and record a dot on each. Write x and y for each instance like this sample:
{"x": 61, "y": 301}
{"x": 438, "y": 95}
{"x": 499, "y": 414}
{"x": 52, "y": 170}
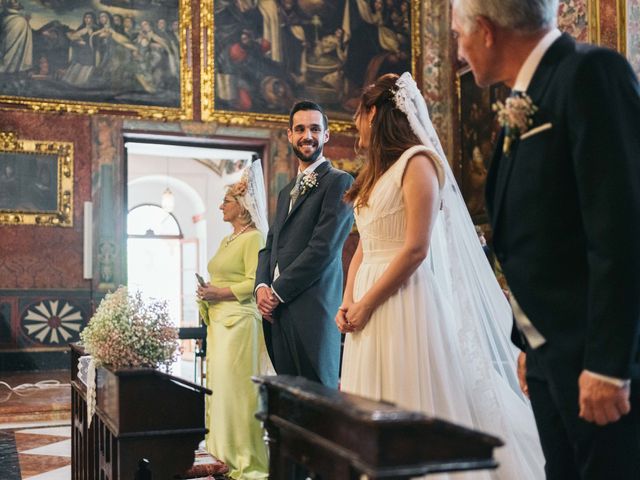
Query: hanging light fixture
{"x": 168, "y": 201}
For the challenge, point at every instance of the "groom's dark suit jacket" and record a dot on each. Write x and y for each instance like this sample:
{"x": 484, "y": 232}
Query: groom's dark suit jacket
{"x": 306, "y": 244}
{"x": 565, "y": 209}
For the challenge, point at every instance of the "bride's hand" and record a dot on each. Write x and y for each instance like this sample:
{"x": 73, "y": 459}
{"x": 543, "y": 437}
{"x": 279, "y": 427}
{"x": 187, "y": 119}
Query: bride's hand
{"x": 358, "y": 315}
{"x": 341, "y": 318}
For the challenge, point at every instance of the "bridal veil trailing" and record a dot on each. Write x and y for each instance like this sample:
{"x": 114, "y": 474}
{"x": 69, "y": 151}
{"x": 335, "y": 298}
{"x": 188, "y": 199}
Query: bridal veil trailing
{"x": 441, "y": 343}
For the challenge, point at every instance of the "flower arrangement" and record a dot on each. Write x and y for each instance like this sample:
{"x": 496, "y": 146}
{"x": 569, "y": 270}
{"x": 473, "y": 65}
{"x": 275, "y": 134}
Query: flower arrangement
{"x": 127, "y": 332}
{"x": 308, "y": 182}
{"x": 515, "y": 117}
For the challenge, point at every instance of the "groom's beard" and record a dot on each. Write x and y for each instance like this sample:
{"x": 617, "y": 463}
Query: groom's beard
{"x": 308, "y": 158}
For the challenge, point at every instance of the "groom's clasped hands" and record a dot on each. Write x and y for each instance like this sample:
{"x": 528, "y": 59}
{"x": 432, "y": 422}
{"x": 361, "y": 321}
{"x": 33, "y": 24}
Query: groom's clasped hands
{"x": 353, "y": 316}
{"x": 267, "y": 302}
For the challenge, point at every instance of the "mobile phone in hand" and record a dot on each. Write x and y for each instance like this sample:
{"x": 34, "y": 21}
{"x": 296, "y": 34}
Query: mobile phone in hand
{"x": 201, "y": 280}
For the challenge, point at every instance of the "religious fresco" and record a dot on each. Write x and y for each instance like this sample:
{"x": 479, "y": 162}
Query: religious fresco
{"x": 92, "y": 55}
{"x": 259, "y": 58}
{"x": 573, "y": 18}
{"x": 633, "y": 34}
{"x": 437, "y": 86}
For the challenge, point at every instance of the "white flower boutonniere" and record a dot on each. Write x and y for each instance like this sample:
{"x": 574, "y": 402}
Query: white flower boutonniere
{"x": 515, "y": 116}
{"x": 308, "y": 182}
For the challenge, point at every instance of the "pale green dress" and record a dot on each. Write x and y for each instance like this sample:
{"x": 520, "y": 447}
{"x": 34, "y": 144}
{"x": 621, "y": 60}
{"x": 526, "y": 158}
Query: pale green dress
{"x": 235, "y": 343}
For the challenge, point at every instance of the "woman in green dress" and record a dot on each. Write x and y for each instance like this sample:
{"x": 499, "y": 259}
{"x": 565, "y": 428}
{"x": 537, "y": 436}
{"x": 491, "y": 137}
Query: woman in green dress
{"x": 235, "y": 341}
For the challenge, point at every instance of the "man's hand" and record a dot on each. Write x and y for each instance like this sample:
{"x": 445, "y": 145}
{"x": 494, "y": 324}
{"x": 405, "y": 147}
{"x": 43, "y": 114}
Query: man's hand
{"x": 267, "y": 302}
{"x": 602, "y": 402}
{"x": 522, "y": 373}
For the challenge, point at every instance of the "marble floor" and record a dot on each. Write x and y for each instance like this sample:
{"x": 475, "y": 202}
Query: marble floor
{"x": 35, "y": 430}
{"x": 38, "y": 452}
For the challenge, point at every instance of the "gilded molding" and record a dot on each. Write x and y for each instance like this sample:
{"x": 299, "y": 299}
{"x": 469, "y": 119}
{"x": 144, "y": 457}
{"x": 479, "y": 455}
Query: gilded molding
{"x": 63, "y": 215}
{"x": 184, "y": 112}
{"x": 207, "y": 75}
{"x": 594, "y": 21}
{"x": 621, "y": 6}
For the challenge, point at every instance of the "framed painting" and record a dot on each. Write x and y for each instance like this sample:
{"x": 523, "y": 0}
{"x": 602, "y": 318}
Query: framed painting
{"x": 36, "y": 182}
{"x": 258, "y": 58}
{"x": 477, "y": 135}
{"x": 88, "y": 56}
{"x": 631, "y": 33}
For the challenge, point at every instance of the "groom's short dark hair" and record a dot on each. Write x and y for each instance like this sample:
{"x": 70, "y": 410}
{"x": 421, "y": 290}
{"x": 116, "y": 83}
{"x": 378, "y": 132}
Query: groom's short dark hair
{"x": 307, "y": 105}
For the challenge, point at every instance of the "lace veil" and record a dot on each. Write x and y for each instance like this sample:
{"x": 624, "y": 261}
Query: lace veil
{"x": 255, "y": 198}
{"x": 255, "y": 201}
{"x": 482, "y": 313}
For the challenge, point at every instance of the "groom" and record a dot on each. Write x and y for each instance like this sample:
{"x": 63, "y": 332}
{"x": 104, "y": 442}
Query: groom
{"x": 564, "y": 200}
{"x": 299, "y": 277}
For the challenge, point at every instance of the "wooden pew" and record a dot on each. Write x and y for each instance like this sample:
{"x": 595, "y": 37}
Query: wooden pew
{"x": 147, "y": 424}
{"x": 337, "y": 436}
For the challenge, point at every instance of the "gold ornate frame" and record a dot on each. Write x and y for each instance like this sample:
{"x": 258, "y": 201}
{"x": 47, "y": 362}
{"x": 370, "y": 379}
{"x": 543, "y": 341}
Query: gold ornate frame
{"x": 63, "y": 215}
{"x": 595, "y": 24}
{"x": 184, "y": 112}
{"x": 207, "y": 77}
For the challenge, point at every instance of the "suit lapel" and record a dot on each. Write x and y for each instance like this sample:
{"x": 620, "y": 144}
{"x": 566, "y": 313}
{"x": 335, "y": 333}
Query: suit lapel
{"x": 321, "y": 171}
{"x": 499, "y": 175}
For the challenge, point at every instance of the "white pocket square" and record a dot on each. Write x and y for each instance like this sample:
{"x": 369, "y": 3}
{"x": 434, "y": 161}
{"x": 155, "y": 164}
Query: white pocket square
{"x": 534, "y": 131}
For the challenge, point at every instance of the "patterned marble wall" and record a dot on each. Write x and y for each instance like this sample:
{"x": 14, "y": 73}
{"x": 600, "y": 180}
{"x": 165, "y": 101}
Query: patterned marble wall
{"x": 633, "y": 34}
{"x": 44, "y": 301}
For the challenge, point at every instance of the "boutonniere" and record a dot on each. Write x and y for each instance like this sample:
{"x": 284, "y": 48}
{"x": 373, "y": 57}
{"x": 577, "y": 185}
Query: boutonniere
{"x": 308, "y": 182}
{"x": 515, "y": 116}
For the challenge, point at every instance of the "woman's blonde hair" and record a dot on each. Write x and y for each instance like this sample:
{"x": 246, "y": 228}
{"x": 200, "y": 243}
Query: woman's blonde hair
{"x": 237, "y": 191}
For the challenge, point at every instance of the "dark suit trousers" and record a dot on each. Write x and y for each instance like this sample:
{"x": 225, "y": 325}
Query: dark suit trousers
{"x": 285, "y": 348}
{"x": 573, "y": 448}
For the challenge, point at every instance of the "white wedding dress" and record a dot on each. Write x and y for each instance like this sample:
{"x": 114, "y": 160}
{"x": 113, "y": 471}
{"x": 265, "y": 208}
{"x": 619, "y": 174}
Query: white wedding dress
{"x": 414, "y": 351}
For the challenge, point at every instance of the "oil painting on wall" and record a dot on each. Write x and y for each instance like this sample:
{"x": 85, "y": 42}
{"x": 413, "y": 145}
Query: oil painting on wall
{"x": 114, "y": 54}
{"x": 477, "y": 139}
{"x": 262, "y": 56}
{"x": 36, "y": 182}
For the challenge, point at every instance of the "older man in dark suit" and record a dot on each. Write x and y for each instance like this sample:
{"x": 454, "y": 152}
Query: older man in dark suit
{"x": 564, "y": 199}
{"x": 299, "y": 277}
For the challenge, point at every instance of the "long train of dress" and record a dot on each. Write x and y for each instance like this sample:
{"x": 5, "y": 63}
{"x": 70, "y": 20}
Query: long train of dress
{"x": 413, "y": 353}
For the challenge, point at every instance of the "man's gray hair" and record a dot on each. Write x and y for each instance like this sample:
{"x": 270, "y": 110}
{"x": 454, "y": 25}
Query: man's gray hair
{"x": 521, "y": 15}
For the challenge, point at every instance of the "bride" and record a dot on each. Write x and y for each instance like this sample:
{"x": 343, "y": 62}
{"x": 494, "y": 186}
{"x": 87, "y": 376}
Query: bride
{"x": 428, "y": 325}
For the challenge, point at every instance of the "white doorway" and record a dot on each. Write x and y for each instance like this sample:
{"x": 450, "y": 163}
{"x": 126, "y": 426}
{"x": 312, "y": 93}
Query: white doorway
{"x": 169, "y": 241}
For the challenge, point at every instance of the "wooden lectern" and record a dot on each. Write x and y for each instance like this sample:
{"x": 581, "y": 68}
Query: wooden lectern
{"x": 338, "y": 436}
{"x": 147, "y": 424}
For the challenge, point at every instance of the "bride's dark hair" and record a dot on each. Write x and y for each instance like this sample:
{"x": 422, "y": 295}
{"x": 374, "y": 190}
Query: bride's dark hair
{"x": 390, "y": 135}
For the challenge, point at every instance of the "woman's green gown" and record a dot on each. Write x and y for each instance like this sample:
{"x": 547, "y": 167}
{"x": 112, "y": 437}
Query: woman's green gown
{"x": 235, "y": 343}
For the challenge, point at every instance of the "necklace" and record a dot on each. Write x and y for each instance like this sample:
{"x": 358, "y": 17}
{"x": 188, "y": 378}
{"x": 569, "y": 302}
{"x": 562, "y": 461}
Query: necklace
{"x": 236, "y": 235}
